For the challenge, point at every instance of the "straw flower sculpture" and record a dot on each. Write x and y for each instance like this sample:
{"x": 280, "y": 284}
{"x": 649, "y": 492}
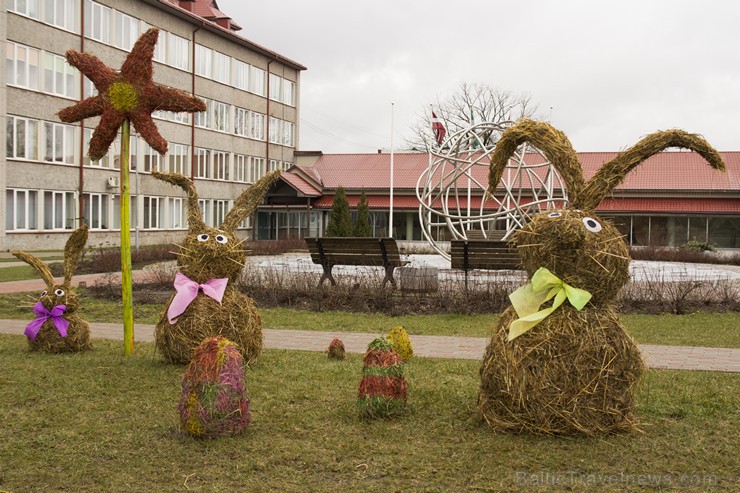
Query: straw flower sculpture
{"x": 129, "y": 93}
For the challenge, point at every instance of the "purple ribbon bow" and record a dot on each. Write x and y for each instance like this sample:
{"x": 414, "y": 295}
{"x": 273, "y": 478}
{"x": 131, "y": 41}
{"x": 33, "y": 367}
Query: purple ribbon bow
{"x": 187, "y": 291}
{"x": 42, "y": 315}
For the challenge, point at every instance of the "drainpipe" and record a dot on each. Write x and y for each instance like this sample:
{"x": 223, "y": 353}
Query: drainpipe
{"x": 192, "y": 119}
{"x": 267, "y": 119}
{"x": 82, "y": 123}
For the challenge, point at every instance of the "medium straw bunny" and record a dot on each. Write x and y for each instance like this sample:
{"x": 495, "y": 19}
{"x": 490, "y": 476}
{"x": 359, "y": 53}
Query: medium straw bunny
{"x": 210, "y": 260}
{"x": 57, "y": 328}
{"x": 567, "y": 365}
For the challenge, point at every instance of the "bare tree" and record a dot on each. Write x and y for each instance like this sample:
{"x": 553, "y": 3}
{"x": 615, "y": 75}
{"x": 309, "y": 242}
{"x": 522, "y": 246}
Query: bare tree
{"x": 472, "y": 103}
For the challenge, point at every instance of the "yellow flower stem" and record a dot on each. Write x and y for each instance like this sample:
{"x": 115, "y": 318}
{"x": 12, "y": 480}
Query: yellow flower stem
{"x": 126, "y": 281}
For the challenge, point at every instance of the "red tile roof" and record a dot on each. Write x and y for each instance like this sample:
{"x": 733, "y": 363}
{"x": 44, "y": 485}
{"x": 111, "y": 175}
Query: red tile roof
{"x": 667, "y": 171}
{"x": 680, "y": 205}
{"x": 300, "y": 185}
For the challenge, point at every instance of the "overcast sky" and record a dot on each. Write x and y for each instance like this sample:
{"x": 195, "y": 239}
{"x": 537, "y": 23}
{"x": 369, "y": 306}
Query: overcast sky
{"x": 611, "y": 71}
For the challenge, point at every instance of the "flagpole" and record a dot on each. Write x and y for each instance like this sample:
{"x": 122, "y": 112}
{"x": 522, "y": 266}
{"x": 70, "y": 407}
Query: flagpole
{"x": 390, "y": 215}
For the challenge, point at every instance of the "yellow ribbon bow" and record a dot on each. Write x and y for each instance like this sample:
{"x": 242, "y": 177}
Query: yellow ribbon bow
{"x": 544, "y": 286}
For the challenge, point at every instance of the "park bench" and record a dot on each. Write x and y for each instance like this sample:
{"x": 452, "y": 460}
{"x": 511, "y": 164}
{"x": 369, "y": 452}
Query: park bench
{"x": 482, "y": 254}
{"x": 380, "y": 252}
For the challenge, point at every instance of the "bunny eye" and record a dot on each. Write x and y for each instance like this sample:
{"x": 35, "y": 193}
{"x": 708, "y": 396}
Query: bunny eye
{"x": 43, "y": 293}
{"x": 592, "y": 224}
{"x": 221, "y": 239}
{"x": 59, "y": 292}
{"x": 203, "y": 237}
{"x": 555, "y": 214}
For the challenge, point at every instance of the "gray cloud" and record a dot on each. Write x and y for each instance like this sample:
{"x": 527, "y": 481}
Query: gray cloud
{"x": 612, "y": 71}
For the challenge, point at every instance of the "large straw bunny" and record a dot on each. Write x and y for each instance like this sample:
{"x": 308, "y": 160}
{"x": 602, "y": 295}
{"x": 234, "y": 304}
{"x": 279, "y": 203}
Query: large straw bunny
{"x": 559, "y": 360}
{"x": 210, "y": 260}
{"x": 57, "y": 328}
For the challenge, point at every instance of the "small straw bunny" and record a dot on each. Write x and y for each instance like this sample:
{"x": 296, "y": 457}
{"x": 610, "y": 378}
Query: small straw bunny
{"x": 568, "y": 366}
{"x": 57, "y": 328}
{"x": 210, "y": 260}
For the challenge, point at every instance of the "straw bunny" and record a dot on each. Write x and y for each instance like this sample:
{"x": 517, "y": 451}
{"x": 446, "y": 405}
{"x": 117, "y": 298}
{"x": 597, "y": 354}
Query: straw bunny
{"x": 57, "y": 328}
{"x": 210, "y": 260}
{"x": 568, "y": 366}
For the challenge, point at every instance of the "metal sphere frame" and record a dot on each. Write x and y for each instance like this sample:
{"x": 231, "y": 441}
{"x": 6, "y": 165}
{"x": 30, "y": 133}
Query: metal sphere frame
{"x": 462, "y": 165}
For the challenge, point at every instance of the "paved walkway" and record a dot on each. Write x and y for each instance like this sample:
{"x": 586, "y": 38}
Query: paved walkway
{"x": 664, "y": 357}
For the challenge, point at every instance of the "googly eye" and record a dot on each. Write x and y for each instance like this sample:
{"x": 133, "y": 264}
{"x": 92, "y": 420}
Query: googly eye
{"x": 555, "y": 214}
{"x": 203, "y": 237}
{"x": 58, "y": 292}
{"x": 592, "y": 224}
{"x": 222, "y": 239}
{"x": 43, "y": 293}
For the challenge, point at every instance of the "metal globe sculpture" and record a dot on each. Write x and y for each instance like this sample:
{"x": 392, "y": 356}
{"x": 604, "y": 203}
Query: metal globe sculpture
{"x": 453, "y": 191}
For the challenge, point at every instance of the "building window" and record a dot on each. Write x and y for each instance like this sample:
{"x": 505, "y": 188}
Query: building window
{"x": 28, "y": 8}
{"x": 221, "y": 67}
{"x": 221, "y": 113}
{"x": 177, "y": 51}
{"x": 152, "y": 159}
{"x": 288, "y": 92}
{"x": 59, "y": 210}
{"x": 257, "y": 129}
{"x": 241, "y": 75}
{"x": 202, "y": 163}
{"x": 95, "y": 213}
{"x": 201, "y": 118}
{"x": 220, "y": 208}
{"x": 21, "y": 138}
{"x": 205, "y": 210}
{"x": 88, "y": 88}
{"x": 275, "y": 132}
{"x": 22, "y": 66}
{"x": 275, "y": 88}
{"x": 220, "y": 165}
{"x": 97, "y": 21}
{"x": 241, "y": 122}
{"x": 126, "y": 31}
{"x": 177, "y": 213}
{"x": 153, "y": 212}
{"x": 258, "y": 168}
{"x": 60, "y": 141}
{"x": 287, "y": 134}
{"x": 257, "y": 81}
{"x": 60, "y": 78}
{"x": 241, "y": 164}
{"x": 61, "y": 13}
{"x": 203, "y": 62}
{"x": 178, "y": 159}
{"x": 21, "y": 209}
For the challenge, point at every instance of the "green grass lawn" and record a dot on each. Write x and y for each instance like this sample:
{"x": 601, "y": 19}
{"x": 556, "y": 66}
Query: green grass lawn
{"x": 18, "y": 273}
{"x": 696, "y": 329}
{"x": 96, "y": 422}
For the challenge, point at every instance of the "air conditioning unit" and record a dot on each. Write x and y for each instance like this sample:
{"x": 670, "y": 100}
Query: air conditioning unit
{"x": 113, "y": 182}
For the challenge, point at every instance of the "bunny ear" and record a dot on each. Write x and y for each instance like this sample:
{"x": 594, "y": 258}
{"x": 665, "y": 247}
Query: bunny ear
{"x": 249, "y": 200}
{"x": 37, "y": 264}
{"x": 195, "y": 216}
{"x": 551, "y": 141}
{"x": 72, "y": 251}
{"x": 612, "y": 173}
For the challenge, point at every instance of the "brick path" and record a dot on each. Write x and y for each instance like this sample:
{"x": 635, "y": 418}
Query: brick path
{"x": 664, "y": 357}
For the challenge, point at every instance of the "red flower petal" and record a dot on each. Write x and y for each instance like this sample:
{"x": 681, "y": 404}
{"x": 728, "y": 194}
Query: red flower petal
{"x": 105, "y": 133}
{"x": 92, "y": 106}
{"x": 146, "y": 127}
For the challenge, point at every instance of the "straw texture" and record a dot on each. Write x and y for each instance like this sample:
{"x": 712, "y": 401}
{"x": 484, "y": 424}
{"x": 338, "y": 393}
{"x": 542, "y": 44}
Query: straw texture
{"x": 214, "y": 400}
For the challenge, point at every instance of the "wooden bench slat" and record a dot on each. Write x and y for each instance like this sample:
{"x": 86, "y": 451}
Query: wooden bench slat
{"x": 375, "y": 252}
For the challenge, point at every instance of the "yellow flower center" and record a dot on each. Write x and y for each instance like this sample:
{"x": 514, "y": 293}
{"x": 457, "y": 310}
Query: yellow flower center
{"x": 123, "y": 96}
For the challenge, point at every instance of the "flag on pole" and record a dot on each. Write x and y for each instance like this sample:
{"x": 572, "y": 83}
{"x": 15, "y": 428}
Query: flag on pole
{"x": 438, "y": 128}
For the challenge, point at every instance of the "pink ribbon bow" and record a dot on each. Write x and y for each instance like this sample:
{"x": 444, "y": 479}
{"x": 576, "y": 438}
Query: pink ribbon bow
{"x": 42, "y": 315}
{"x": 187, "y": 291}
